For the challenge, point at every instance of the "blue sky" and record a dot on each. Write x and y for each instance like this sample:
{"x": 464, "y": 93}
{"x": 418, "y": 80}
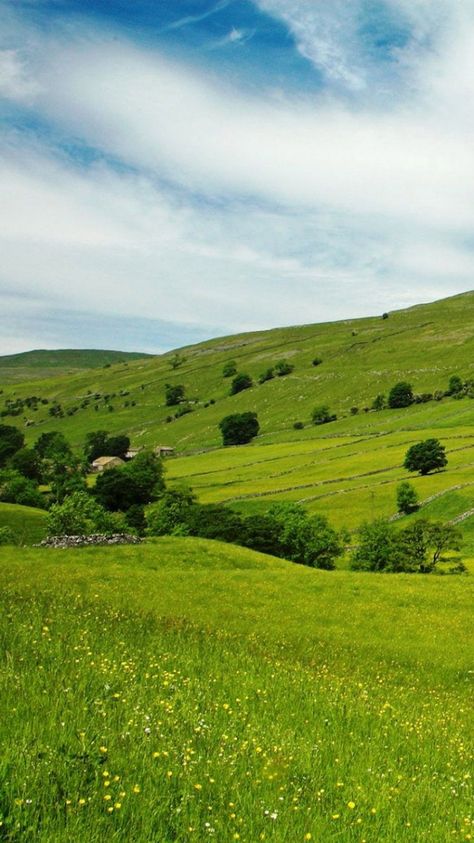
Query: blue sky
{"x": 181, "y": 169}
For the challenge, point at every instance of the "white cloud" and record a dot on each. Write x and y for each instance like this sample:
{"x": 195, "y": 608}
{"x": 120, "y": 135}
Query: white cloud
{"x": 324, "y": 34}
{"x": 15, "y": 81}
{"x": 409, "y": 164}
{"x": 272, "y": 213}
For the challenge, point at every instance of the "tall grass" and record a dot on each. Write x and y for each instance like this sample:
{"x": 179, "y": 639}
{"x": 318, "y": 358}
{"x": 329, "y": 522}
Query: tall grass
{"x": 191, "y": 691}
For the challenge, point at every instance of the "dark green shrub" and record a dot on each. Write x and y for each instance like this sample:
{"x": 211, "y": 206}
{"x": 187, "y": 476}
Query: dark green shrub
{"x": 407, "y": 498}
{"x": 322, "y": 415}
{"x": 53, "y": 446}
{"x": 268, "y": 375}
{"x": 283, "y": 368}
{"x": 183, "y": 410}
{"x": 229, "y": 369}
{"x": 455, "y": 385}
{"x": 139, "y": 482}
{"x": 379, "y": 402}
{"x": 11, "y": 440}
{"x": 27, "y": 462}
{"x": 240, "y": 382}
{"x": 308, "y": 540}
{"x": 239, "y": 428}
{"x": 214, "y": 521}
{"x": 174, "y": 394}
{"x": 135, "y": 519}
{"x": 14, "y": 488}
{"x": 423, "y": 398}
{"x": 401, "y": 395}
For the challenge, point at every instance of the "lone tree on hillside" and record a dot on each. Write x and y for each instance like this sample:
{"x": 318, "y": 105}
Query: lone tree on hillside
{"x": 407, "y": 498}
{"x": 455, "y": 385}
{"x": 379, "y": 402}
{"x": 283, "y": 368}
{"x": 229, "y": 369}
{"x": 174, "y": 394}
{"x": 426, "y": 456}
{"x": 322, "y": 415}
{"x": 267, "y": 375}
{"x": 401, "y": 395}
{"x": 239, "y": 428}
{"x": 240, "y": 382}
{"x": 177, "y": 360}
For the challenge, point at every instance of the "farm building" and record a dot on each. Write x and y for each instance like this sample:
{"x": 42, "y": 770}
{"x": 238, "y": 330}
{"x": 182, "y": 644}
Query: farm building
{"x": 163, "y": 451}
{"x": 104, "y": 463}
{"x": 132, "y": 452}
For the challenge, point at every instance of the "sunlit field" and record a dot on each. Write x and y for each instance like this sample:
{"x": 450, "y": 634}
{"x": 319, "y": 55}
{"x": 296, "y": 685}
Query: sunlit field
{"x": 188, "y": 690}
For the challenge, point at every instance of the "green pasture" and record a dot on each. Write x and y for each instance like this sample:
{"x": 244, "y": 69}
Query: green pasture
{"x": 187, "y": 690}
{"x": 349, "y": 479}
{"x": 27, "y": 524}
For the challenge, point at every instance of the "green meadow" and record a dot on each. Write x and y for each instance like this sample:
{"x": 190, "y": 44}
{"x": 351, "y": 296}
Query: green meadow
{"x": 349, "y": 478}
{"x": 27, "y": 524}
{"x": 187, "y": 690}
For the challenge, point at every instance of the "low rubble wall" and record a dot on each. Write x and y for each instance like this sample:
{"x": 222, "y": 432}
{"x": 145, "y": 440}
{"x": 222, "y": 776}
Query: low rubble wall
{"x": 97, "y": 540}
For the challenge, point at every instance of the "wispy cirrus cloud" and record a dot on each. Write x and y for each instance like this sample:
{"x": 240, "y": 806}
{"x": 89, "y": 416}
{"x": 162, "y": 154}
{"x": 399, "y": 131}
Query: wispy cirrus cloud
{"x": 188, "y": 20}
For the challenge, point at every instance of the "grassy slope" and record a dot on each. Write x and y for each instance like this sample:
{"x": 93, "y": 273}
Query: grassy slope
{"x": 349, "y": 469}
{"x": 27, "y": 524}
{"x": 35, "y": 365}
{"x": 233, "y": 692}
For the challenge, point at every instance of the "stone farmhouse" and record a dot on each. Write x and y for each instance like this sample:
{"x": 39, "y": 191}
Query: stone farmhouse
{"x": 104, "y": 463}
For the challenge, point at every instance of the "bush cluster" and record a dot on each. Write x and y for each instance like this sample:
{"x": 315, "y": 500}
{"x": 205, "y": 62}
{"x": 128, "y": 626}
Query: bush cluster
{"x": 286, "y": 530}
{"x": 419, "y": 548}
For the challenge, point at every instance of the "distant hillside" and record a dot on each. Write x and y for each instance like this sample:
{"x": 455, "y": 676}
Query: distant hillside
{"x": 360, "y": 358}
{"x": 40, "y": 363}
{"x": 348, "y": 469}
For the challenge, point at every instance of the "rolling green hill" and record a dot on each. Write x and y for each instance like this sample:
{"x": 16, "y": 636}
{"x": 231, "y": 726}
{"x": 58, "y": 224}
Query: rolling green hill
{"x": 38, "y": 364}
{"x": 231, "y": 696}
{"x": 348, "y": 469}
{"x": 27, "y": 524}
